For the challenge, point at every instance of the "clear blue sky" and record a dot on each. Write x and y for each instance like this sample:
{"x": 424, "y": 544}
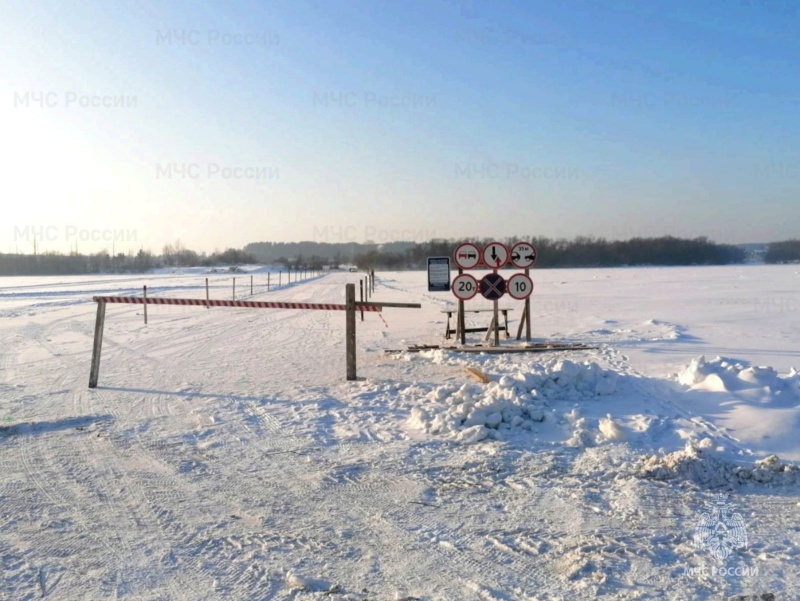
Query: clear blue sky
{"x": 337, "y": 121}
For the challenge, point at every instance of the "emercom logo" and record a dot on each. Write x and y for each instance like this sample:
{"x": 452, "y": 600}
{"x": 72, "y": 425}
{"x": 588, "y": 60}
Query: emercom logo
{"x": 720, "y": 530}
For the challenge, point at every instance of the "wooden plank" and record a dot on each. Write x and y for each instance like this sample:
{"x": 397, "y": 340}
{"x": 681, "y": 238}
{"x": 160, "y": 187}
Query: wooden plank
{"x": 536, "y": 348}
{"x": 472, "y": 310}
{"x": 390, "y": 305}
{"x": 478, "y": 375}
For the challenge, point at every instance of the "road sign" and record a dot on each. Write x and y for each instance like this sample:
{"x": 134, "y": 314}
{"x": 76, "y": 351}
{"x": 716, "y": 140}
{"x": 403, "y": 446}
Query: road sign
{"x": 495, "y": 255}
{"x": 438, "y": 274}
{"x": 523, "y": 255}
{"x": 468, "y": 255}
{"x": 520, "y": 286}
{"x": 465, "y": 286}
{"x": 493, "y": 286}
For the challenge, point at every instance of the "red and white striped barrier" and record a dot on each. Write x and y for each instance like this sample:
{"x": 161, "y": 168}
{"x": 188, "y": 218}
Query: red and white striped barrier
{"x": 230, "y": 303}
{"x": 349, "y": 308}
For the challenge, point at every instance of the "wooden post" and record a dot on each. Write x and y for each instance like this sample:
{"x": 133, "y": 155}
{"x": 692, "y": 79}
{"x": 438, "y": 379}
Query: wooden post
{"x": 462, "y": 321}
{"x": 361, "y": 296}
{"x": 251, "y": 285}
{"x": 267, "y": 281}
{"x": 372, "y": 280}
{"x": 496, "y": 320}
{"x": 350, "y": 318}
{"x": 94, "y": 372}
{"x": 234, "y": 288}
{"x": 280, "y": 275}
{"x": 145, "y": 305}
{"x": 521, "y": 323}
{"x": 528, "y": 312}
{"x": 207, "y": 298}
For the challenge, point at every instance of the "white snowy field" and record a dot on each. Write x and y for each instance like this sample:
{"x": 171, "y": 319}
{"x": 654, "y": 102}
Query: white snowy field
{"x": 224, "y": 456}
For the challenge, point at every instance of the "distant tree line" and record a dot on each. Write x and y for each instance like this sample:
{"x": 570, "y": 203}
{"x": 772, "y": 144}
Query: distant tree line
{"x": 173, "y": 255}
{"x": 787, "y": 251}
{"x": 578, "y": 252}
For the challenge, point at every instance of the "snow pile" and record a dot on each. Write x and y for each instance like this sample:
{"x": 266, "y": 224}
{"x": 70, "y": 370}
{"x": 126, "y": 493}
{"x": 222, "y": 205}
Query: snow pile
{"x": 473, "y": 413}
{"x": 728, "y": 375}
{"x": 692, "y": 464}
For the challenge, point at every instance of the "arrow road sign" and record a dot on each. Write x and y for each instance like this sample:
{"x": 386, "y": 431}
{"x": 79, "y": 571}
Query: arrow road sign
{"x": 467, "y": 256}
{"x": 520, "y": 286}
{"x": 523, "y": 255}
{"x": 465, "y": 286}
{"x": 493, "y": 286}
{"x": 495, "y": 255}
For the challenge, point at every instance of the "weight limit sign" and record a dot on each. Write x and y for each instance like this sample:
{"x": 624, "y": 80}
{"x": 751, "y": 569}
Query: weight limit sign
{"x": 465, "y": 286}
{"x": 520, "y": 286}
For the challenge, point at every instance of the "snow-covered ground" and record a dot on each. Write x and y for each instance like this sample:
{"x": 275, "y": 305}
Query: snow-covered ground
{"x": 223, "y": 456}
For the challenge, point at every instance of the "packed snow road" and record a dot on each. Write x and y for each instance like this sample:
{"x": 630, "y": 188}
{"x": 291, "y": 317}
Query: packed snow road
{"x": 223, "y": 456}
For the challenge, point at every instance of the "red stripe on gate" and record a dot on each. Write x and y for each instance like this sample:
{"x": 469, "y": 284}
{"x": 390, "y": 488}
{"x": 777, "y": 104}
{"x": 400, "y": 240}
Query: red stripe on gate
{"x": 224, "y": 303}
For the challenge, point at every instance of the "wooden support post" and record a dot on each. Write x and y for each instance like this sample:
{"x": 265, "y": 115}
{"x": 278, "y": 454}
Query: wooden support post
{"x": 372, "y": 280}
{"x": 496, "y": 319}
{"x": 361, "y": 296}
{"x": 267, "y": 281}
{"x": 144, "y": 294}
{"x": 251, "y": 285}
{"x": 489, "y": 331}
{"x": 521, "y": 323}
{"x": 234, "y": 288}
{"x": 94, "y": 372}
{"x": 207, "y": 297}
{"x": 528, "y": 315}
{"x": 280, "y": 275}
{"x": 462, "y": 321}
{"x": 350, "y": 318}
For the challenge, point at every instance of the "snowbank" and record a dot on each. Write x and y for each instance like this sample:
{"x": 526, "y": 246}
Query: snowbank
{"x": 727, "y": 375}
{"x": 693, "y": 464}
{"x": 516, "y": 402}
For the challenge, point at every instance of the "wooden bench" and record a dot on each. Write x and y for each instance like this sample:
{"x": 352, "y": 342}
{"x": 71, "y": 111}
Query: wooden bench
{"x": 490, "y": 328}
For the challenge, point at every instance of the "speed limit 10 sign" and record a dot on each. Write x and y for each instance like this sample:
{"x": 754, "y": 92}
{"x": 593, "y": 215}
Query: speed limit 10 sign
{"x": 520, "y": 286}
{"x": 465, "y": 286}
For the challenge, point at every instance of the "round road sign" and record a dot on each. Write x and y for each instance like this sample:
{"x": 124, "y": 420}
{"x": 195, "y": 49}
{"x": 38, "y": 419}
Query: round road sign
{"x": 495, "y": 255}
{"x": 523, "y": 255}
{"x": 520, "y": 286}
{"x": 468, "y": 255}
{"x": 493, "y": 286}
{"x": 465, "y": 286}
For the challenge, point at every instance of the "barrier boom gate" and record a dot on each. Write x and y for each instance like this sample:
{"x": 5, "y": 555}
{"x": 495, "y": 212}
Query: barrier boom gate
{"x": 350, "y": 307}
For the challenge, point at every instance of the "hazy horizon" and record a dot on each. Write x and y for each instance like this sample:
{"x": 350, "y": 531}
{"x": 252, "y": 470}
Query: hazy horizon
{"x": 135, "y": 126}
